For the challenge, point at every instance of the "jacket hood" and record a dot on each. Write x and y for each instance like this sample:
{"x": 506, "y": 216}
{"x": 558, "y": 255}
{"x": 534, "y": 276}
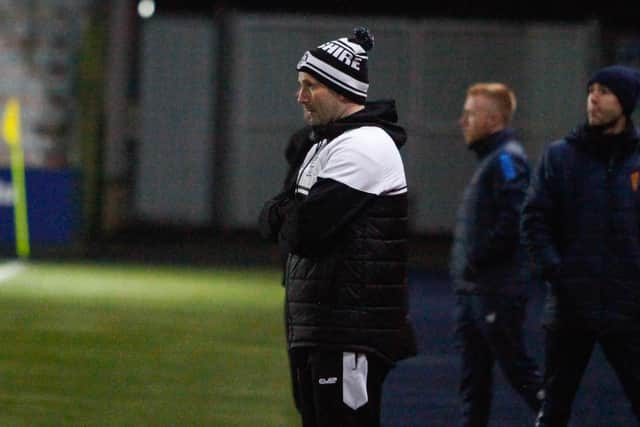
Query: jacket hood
{"x": 382, "y": 114}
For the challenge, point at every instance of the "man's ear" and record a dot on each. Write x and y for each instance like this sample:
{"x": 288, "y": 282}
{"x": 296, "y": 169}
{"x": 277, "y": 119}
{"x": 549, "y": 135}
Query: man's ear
{"x": 342, "y": 98}
{"x": 495, "y": 119}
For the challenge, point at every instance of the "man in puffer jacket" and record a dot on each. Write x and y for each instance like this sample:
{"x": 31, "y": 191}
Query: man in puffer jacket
{"x": 345, "y": 221}
{"x": 487, "y": 264}
{"x": 581, "y": 224}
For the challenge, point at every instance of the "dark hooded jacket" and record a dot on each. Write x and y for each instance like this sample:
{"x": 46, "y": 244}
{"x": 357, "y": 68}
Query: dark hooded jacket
{"x": 581, "y": 224}
{"x": 347, "y": 229}
{"x": 486, "y": 256}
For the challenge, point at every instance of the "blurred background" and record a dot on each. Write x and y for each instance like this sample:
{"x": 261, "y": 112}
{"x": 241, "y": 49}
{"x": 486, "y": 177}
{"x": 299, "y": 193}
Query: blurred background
{"x": 162, "y": 124}
{"x": 151, "y": 133}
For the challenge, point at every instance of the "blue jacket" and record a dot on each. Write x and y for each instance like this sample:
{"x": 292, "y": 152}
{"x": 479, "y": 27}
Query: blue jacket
{"x": 486, "y": 256}
{"x": 581, "y": 224}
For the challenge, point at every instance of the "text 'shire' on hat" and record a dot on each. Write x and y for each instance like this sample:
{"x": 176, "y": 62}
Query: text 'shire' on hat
{"x": 341, "y": 64}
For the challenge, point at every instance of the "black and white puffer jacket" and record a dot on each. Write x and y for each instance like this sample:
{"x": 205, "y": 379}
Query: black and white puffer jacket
{"x": 346, "y": 277}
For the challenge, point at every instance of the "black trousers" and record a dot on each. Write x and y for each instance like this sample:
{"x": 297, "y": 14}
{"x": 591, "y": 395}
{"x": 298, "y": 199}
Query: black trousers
{"x": 489, "y": 329}
{"x": 337, "y": 389}
{"x": 568, "y": 349}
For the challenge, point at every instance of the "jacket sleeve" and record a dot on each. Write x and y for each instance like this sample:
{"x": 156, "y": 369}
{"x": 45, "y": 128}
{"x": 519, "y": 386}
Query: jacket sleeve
{"x": 313, "y": 225}
{"x": 538, "y": 215}
{"x": 272, "y": 215}
{"x": 510, "y": 179}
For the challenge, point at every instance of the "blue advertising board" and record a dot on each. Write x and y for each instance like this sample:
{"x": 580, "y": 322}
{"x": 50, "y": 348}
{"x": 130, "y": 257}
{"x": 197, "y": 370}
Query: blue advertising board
{"x": 53, "y": 207}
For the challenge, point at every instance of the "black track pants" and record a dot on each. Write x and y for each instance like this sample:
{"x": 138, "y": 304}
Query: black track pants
{"x": 489, "y": 330}
{"x": 568, "y": 350}
{"x": 338, "y": 388}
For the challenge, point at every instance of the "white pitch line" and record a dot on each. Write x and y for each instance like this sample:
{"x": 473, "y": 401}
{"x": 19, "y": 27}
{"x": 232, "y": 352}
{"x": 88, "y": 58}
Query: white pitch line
{"x": 10, "y": 269}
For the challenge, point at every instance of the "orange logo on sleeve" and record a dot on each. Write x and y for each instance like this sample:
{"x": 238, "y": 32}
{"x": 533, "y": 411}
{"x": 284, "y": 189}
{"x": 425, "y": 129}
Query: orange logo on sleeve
{"x": 635, "y": 177}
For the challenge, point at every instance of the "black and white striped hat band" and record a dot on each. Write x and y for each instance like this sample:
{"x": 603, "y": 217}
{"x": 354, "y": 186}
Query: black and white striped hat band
{"x": 341, "y": 65}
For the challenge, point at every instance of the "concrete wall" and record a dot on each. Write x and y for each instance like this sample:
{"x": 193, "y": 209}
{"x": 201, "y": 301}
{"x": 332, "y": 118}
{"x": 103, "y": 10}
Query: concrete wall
{"x": 426, "y": 66}
{"x": 175, "y": 156}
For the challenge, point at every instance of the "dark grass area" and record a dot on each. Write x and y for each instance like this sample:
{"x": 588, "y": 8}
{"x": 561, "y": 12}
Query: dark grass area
{"x": 422, "y": 391}
{"x": 84, "y": 344}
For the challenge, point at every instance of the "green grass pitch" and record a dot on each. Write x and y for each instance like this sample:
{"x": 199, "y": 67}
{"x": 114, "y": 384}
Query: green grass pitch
{"x": 131, "y": 345}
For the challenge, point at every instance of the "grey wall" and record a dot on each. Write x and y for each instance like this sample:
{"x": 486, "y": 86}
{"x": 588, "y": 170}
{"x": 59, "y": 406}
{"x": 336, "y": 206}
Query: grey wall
{"x": 546, "y": 65}
{"x": 177, "y": 136}
{"x": 426, "y": 66}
